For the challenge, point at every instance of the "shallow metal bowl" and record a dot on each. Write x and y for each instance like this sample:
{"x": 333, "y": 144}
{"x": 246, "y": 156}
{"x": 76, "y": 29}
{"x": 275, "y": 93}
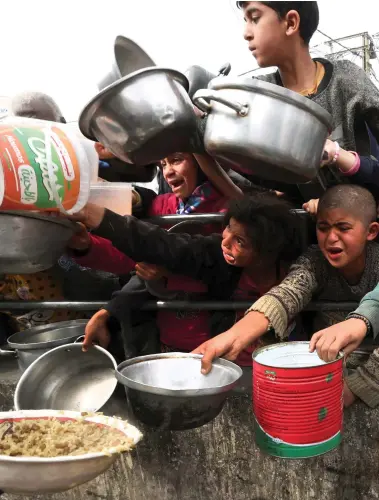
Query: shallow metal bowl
{"x": 127, "y": 58}
{"x": 66, "y": 378}
{"x": 31, "y": 242}
{"x": 168, "y": 390}
{"x": 34, "y": 475}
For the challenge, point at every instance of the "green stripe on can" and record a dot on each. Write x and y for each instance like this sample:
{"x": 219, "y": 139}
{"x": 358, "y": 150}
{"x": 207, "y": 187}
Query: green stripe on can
{"x": 286, "y": 450}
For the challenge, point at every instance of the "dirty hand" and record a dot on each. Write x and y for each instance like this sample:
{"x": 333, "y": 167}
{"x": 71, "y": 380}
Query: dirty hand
{"x": 81, "y": 239}
{"x": 91, "y": 216}
{"x": 311, "y": 206}
{"x": 103, "y": 152}
{"x": 346, "y": 335}
{"x": 97, "y": 331}
{"x": 150, "y": 272}
{"x": 330, "y": 150}
{"x": 348, "y": 397}
{"x": 227, "y": 344}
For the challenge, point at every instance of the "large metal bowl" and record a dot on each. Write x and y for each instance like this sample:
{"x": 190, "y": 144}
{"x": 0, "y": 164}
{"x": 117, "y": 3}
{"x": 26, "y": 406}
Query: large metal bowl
{"x": 66, "y": 378}
{"x": 143, "y": 117}
{"x": 34, "y": 475}
{"x": 168, "y": 391}
{"x": 30, "y": 344}
{"x": 31, "y": 242}
{"x": 127, "y": 58}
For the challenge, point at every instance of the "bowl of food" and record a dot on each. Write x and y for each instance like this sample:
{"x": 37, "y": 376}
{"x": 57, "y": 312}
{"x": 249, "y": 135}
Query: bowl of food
{"x": 48, "y": 451}
{"x": 169, "y": 391}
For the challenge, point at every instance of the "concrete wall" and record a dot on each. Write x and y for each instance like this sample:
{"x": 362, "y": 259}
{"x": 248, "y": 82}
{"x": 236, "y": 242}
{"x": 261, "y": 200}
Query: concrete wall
{"x": 221, "y": 462}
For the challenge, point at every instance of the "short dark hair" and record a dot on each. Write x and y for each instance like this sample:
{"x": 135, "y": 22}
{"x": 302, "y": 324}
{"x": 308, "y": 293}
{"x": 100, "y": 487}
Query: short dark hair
{"x": 273, "y": 228}
{"x": 355, "y": 200}
{"x": 308, "y": 12}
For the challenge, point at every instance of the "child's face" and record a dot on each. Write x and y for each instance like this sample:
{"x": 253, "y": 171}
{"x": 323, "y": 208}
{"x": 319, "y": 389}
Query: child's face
{"x": 265, "y": 33}
{"x": 236, "y": 245}
{"x": 180, "y": 173}
{"x": 342, "y": 237}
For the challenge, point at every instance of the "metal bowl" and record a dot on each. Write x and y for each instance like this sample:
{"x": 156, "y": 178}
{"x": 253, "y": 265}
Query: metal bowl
{"x": 31, "y": 242}
{"x": 66, "y": 378}
{"x": 30, "y": 344}
{"x": 34, "y": 475}
{"x": 127, "y": 58}
{"x": 143, "y": 117}
{"x": 168, "y": 390}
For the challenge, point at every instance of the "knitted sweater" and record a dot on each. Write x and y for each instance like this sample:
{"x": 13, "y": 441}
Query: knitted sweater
{"x": 313, "y": 277}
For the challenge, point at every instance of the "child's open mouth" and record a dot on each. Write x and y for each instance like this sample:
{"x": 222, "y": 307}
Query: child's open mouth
{"x": 176, "y": 184}
{"x": 334, "y": 253}
{"x": 229, "y": 258}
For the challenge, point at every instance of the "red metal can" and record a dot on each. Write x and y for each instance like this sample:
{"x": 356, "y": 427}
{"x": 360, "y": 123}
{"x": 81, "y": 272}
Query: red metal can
{"x": 297, "y": 401}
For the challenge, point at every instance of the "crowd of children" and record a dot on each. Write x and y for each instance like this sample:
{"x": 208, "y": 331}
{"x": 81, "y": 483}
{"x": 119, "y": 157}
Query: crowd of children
{"x": 258, "y": 256}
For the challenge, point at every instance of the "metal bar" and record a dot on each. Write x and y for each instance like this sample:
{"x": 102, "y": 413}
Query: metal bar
{"x": 163, "y": 220}
{"x": 20, "y": 305}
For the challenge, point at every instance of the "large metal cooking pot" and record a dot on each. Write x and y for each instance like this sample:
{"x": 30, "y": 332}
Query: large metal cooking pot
{"x": 263, "y": 129}
{"x": 31, "y": 242}
{"x": 168, "y": 390}
{"x": 127, "y": 58}
{"x": 66, "y": 378}
{"x": 30, "y": 344}
{"x": 143, "y": 117}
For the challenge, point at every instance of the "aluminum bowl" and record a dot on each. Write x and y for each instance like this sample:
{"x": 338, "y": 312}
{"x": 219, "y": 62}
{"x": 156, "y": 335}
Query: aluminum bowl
{"x": 66, "y": 378}
{"x": 143, "y": 117}
{"x": 127, "y": 58}
{"x": 30, "y": 344}
{"x": 168, "y": 390}
{"x": 31, "y": 242}
{"x": 33, "y": 475}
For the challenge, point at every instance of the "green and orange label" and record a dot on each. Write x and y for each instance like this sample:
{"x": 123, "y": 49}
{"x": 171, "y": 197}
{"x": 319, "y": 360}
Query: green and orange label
{"x": 31, "y": 175}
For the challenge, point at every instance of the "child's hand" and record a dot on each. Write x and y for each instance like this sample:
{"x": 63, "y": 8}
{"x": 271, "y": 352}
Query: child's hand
{"x": 81, "y": 239}
{"x": 103, "y": 152}
{"x": 97, "y": 331}
{"x": 91, "y": 215}
{"x": 150, "y": 272}
{"x": 346, "y": 335}
{"x": 311, "y": 207}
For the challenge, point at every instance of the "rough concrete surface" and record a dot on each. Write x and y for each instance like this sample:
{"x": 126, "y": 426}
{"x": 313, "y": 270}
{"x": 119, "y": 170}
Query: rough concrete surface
{"x": 221, "y": 462}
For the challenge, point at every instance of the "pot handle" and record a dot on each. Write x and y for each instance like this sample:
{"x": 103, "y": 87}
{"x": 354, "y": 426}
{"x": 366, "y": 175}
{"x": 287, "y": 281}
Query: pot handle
{"x": 203, "y": 95}
{"x": 79, "y": 339}
{"x": 8, "y": 352}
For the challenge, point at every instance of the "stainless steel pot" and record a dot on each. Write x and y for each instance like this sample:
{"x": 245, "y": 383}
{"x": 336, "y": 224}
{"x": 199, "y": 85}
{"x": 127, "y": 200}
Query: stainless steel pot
{"x": 30, "y": 344}
{"x": 127, "y": 58}
{"x": 66, "y": 378}
{"x": 168, "y": 390}
{"x": 31, "y": 242}
{"x": 143, "y": 117}
{"x": 262, "y": 129}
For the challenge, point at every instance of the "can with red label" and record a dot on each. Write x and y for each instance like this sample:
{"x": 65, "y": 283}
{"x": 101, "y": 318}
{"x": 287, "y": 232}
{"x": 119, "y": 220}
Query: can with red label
{"x": 297, "y": 401}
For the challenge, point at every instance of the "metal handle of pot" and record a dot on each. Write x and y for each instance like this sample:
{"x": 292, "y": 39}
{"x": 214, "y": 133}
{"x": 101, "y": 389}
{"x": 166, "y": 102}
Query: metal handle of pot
{"x": 79, "y": 339}
{"x": 202, "y": 96}
{"x": 8, "y": 352}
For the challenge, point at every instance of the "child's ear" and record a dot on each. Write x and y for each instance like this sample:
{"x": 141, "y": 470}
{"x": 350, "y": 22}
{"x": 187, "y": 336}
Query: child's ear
{"x": 293, "y": 22}
{"x": 373, "y": 231}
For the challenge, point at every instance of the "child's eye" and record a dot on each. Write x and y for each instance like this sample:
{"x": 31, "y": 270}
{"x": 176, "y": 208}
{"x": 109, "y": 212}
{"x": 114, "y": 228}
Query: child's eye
{"x": 255, "y": 19}
{"x": 240, "y": 242}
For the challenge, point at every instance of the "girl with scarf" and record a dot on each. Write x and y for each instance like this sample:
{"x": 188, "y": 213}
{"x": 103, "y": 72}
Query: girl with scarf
{"x": 191, "y": 193}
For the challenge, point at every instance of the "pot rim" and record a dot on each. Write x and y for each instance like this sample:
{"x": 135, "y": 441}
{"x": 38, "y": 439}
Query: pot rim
{"x": 25, "y": 346}
{"x": 270, "y": 89}
{"x": 139, "y": 386}
{"x": 40, "y": 216}
{"x": 92, "y": 106}
{"x": 51, "y": 352}
{"x": 285, "y": 344}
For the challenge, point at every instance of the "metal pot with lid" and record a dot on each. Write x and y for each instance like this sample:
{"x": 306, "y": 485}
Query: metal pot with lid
{"x": 261, "y": 129}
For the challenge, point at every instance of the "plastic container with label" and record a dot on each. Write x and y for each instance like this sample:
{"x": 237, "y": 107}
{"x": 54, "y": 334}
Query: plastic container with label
{"x": 116, "y": 196}
{"x": 44, "y": 166}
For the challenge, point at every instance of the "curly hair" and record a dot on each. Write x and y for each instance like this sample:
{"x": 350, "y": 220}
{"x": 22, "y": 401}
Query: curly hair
{"x": 274, "y": 229}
